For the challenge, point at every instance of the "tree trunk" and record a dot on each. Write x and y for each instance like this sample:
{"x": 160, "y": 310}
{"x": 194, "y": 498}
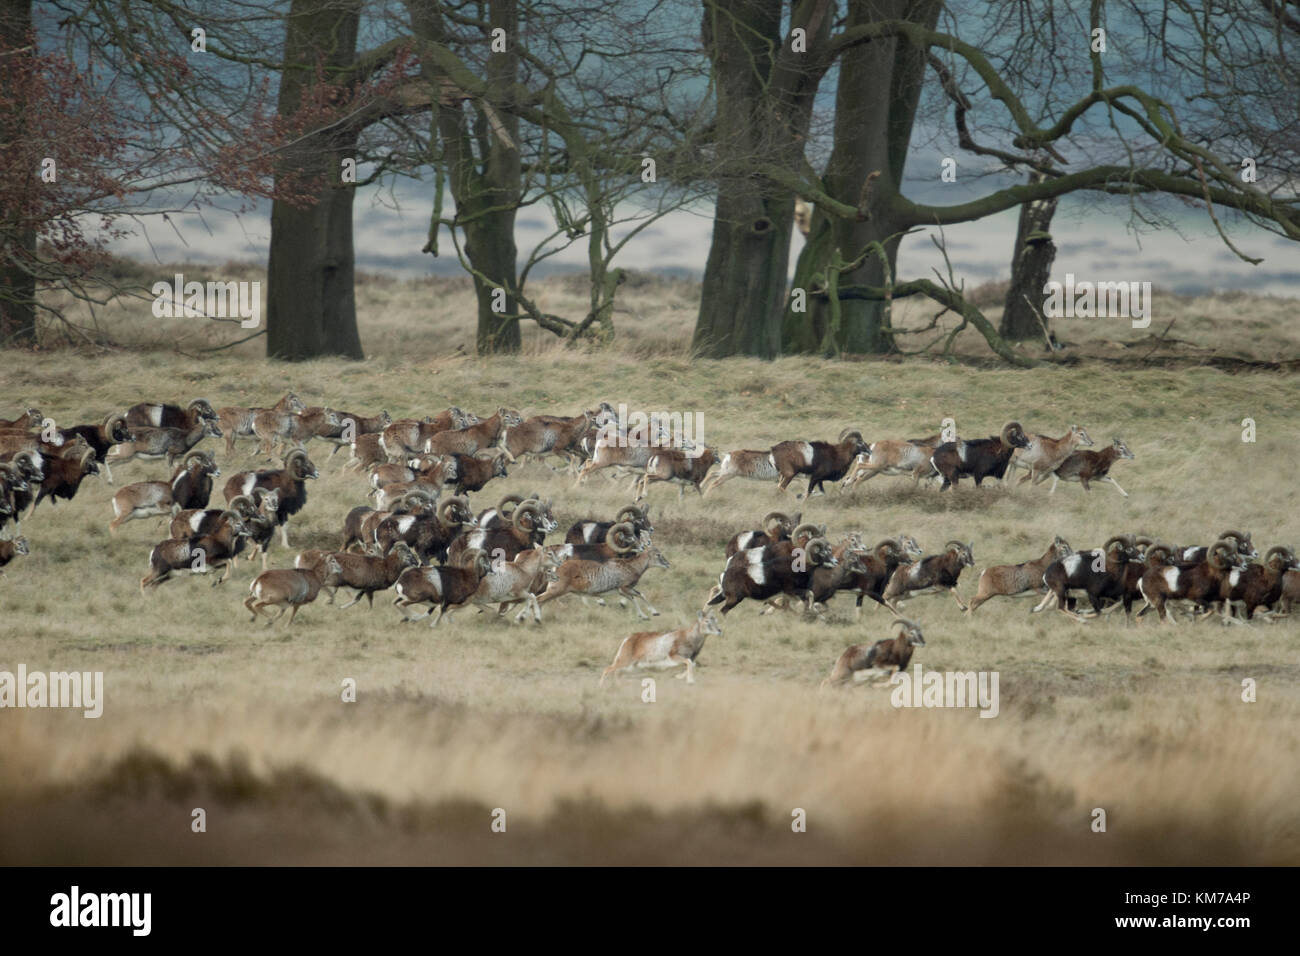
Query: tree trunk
{"x": 479, "y": 155}
{"x": 744, "y": 280}
{"x": 17, "y": 243}
{"x": 879, "y": 86}
{"x": 1031, "y": 268}
{"x": 490, "y": 248}
{"x": 311, "y": 302}
{"x": 492, "y": 239}
{"x": 764, "y": 109}
{"x": 863, "y": 324}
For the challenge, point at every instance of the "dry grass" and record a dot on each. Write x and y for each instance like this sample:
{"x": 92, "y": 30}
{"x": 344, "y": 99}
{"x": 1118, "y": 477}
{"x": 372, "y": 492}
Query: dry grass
{"x": 204, "y": 709}
{"x": 430, "y": 318}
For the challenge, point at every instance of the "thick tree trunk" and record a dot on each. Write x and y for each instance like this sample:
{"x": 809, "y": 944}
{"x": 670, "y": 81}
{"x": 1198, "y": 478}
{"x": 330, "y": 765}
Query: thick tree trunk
{"x": 863, "y": 326}
{"x": 744, "y": 280}
{"x": 492, "y": 239}
{"x": 1031, "y": 268}
{"x": 879, "y": 86}
{"x": 17, "y": 243}
{"x": 481, "y": 161}
{"x": 311, "y": 303}
{"x": 764, "y": 109}
{"x": 490, "y": 248}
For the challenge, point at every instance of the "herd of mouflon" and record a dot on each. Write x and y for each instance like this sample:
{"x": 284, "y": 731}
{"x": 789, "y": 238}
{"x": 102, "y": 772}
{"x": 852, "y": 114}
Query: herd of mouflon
{"x": 422, "y": 539}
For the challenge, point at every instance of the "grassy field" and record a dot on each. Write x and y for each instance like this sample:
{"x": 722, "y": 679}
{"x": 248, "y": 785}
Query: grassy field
{"x": 204, "y": 709}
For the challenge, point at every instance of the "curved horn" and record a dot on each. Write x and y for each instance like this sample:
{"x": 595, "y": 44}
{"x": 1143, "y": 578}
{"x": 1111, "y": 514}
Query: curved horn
{"x": 780, "y": 517}
{"x": 845, "y": 433}
{"x": 191, "y": 456}
{"x": 509, "y": 500}
{"x": 1125, "y": 540}
{"x": 1213, "y": 556}
{"x": 1159, "y": 549}
{"x": 112, "y": 419}
{"x": 240, "y": 503}
{"x": 629, "y": 513}
{"x": 451, "y": 502}
{"x": 625, "y": 529}
{"x": 88, "y": 456}
{"x": 1008, "y": 430}
{"x": 904, "y": 622}
{"x": 805, "y": 531}
{"x": 528, "y": 506}
{"x": 1142, "y": 541}
{"x": 296, "y": 453}
{"x": 960, "y": 545}
{"x": 1277, "y": 549}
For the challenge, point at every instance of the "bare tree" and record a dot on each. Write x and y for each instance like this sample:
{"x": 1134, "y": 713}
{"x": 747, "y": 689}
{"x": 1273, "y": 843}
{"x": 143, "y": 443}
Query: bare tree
{"x": 1137, "y": 140}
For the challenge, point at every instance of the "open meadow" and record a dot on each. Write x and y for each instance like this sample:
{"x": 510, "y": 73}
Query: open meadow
{"x": 204, "y": 709}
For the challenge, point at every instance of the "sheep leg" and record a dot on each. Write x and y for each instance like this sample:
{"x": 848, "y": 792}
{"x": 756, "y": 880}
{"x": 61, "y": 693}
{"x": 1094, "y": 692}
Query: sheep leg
{"x": 648, "y": 605}
{"x": 1072, "y": 615}
{"x": 529, "y": 604}
{"x": 957, "y": 597}
{"x": 284, "y": 534}
{"x": 359, "y": 596}
{"x": 690, "y": 669}
{"x": 552, "y": 592}
{"x": 1116, "y": 484}
{"x": 1055, "y": 480}
{"x": 615, "y": 668}
{"x": 406, "y": 618}
{"x": 634, "y": 594}
{"x": 636, "y": 606}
